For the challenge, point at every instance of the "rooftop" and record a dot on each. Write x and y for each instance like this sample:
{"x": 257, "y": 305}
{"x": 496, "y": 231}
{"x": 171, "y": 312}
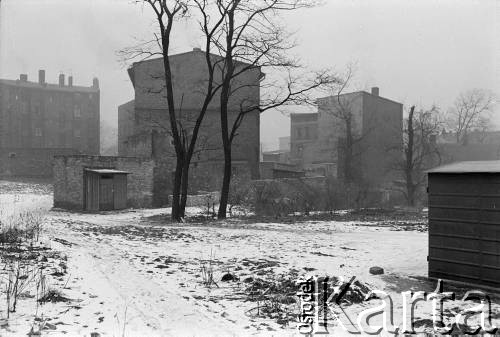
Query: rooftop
{"x": 48, "y": 86}
{"x": 485, "y": 166}
{"x": 181, "y": 56}
{"x": 304, "y": 116}
{"x": 374, "y": 93}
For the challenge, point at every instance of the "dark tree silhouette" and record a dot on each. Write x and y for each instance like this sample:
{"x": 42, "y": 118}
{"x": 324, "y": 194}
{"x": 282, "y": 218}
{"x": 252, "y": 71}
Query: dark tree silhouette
{"x": 420, "y": 152}
{"x": 251, "y": 38}
{"x": 184, "y": 131}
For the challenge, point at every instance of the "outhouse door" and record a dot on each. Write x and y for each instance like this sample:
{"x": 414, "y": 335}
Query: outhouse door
{"x": 106, "y": 193}
{"x": 120, "y": 191}
{"x": 105, "y": 189}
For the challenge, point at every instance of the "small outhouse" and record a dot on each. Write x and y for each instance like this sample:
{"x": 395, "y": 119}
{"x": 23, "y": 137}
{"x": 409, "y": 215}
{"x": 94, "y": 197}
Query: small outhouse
{"x": 104, "y": 189}
{"x": 464, "y": 222}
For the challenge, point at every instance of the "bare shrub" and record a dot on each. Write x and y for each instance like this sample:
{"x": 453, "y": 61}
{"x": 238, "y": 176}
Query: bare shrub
{"x": 25, "y": 227}
{"x": 210, "y": 202}
{"x": 283, "y": 197}
{"x": 53, "y": 296}
{"x": 240, "y": 195}
{"x": 207, "y": 272}
{"x": 18, "y": 279}
{"x": 274, "y": 298}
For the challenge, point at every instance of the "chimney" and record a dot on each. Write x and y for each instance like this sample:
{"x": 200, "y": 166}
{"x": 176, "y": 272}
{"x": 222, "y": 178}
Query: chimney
{"x": 375, "y": 91}
{"x": 70, "y": 81}
{"x": 41, "y": 76}
{"x": 23, "y": 77}
{"x": 61, "y": 80}
{"x": 95, "y": 83}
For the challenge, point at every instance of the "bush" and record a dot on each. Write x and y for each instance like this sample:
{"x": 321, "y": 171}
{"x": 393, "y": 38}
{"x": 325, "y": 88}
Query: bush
{"x": 287, "y": 196}
{"x": 21, "y": 228}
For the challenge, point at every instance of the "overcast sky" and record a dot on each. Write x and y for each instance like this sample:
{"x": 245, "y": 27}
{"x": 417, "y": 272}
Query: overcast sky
{"x": 418, "y": 52}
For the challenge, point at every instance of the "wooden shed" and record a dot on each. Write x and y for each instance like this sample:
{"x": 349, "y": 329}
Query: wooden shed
{"x": 464, "y": 222}
{"x": 104, "y": 189}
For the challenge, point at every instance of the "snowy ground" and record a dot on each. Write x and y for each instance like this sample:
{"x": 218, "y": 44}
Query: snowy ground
{"x": 131, "y": 273}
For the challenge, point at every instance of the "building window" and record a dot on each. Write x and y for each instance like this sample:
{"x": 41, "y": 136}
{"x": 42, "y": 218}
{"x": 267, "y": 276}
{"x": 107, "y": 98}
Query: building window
{"x": 24, "y": 107}
{"x": 299, "y": 133}
{"x": 77, "y": 133}
{"x": 77, "y": 112}
{"x": 35, "y": 108}
{"x": 38, "y": 132}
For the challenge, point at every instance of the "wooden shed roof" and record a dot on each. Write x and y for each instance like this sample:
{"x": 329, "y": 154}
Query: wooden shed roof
{"x": 107, "y": 171}
{"x": 484, "y": 166}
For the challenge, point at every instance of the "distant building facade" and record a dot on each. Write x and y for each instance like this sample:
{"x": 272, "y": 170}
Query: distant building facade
{"x": 317, "y": 139}
{"x": 39, "y": 120}
{"x": 278, "y": 156}
{"x": 144, "y": 129}
{"x": 284, "y": 143}
{"x": 480, "y": 145}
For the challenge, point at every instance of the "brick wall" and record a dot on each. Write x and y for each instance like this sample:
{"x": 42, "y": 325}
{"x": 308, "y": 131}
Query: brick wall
{"x": 29, "y": 162}
{"x": 68, "y": 179}
{"x": 35, "y": 115}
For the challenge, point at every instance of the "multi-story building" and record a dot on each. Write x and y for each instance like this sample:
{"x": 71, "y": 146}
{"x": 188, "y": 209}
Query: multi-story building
{"x": 318, "y": 139}
{"x": 284, "y": 143}
{"x": 39, "y": 120}
{"x": 144, "y": 122}
{"x": 303, "y": 135}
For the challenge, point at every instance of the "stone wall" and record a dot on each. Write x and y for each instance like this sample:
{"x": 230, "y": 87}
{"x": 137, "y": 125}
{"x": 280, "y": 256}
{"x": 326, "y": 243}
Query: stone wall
{"x": 68, "y": 179}
{"x": 208, "y": 176}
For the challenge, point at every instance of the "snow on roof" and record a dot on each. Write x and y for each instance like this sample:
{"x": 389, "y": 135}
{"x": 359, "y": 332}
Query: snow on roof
{"x": 106, "y": 171}
{"x": 485, "y": 166}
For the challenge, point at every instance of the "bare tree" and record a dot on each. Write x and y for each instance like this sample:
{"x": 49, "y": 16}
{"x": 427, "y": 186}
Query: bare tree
{"x": 252, "y": 38}
{"x": 471, "y": 112}
{"x": 419, "y": 150}
{"x": 183, "y": 129}
{"x": 341, "y": 107}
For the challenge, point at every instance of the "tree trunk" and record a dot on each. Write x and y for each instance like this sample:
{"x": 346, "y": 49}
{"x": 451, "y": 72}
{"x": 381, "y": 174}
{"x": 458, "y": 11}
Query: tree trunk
{"x": 176, "y": 214}
{"x": 226, "y": 144}
{"x": 224, "y": 100}
{"x": 410, "y": 166}
{"x": 410, "y": 190}
{"x": 226, "y": 182}
{"x": 348, "y": 174}
{"x": 184, "y": 188}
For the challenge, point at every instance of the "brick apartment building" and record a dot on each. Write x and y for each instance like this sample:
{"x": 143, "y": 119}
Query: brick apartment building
{"x": 317, "y": 138}
{"x": 143, "y": 125}
{"x": 39, "y": 120}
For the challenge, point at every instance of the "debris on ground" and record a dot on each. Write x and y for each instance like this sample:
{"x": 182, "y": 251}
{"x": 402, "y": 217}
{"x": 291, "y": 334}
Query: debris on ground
{"x": 376, "y": 270}
{"x": 229, "y": 277}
